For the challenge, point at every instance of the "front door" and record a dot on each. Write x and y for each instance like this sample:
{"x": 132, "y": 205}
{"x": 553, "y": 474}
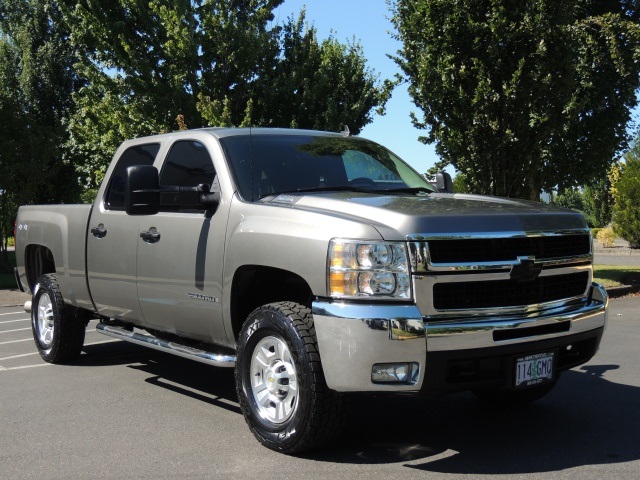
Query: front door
{"x": 180, "y": 254}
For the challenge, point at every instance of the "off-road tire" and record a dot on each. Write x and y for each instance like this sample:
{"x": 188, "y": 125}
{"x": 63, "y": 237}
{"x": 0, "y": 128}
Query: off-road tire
{"x": 317, "y": 414}
{"x": 58, "y": 329}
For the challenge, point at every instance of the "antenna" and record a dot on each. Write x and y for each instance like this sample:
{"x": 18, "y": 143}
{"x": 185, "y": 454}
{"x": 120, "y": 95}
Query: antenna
{"x": 345, "y": 131}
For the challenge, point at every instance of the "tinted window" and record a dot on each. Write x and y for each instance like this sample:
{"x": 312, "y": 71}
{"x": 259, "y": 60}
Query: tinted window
{"x": 138, "y": 155}
{"x": 187, "y": 165}
{"x": 266, "y": 165}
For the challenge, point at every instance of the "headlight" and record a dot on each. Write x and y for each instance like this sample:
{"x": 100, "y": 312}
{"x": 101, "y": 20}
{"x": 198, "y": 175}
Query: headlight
{"x": 368, "y": 269}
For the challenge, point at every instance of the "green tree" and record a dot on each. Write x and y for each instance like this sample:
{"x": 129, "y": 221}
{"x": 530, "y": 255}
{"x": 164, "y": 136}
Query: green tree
{"x": 36, "y": 83}
{"x": 157, "y": 66}
{"x": 626, "y": 209}
{"x": 597, "y": 203}
{"x": 570, "y": 198}
{"x": 533, "y": 94}
{"x": 326, "y": 84}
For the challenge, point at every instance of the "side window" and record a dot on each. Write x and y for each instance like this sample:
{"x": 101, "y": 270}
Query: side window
{"x": 138, "y": 155}
{"x": 188, "y": 164}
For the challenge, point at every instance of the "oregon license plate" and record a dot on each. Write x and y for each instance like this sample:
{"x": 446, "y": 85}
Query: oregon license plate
{"x": 534, "y": 369}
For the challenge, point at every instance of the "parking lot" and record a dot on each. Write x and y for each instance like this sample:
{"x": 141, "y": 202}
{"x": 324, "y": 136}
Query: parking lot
{"x": 123, "y": 411}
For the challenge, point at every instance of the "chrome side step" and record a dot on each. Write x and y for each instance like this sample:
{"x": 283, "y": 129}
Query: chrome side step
{"x": 210, "y": 358}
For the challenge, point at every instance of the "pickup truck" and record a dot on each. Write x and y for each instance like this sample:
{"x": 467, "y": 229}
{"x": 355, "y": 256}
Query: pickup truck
{"x": 317, "y": 265}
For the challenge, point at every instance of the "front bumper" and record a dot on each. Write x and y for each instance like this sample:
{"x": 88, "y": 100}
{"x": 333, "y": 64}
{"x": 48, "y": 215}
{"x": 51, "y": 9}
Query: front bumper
{"x": 353, "y": 337}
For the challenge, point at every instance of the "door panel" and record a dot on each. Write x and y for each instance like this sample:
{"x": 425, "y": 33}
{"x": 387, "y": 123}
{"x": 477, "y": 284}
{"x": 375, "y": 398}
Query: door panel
{"x": 180, "y": 254}
{"x": 112, "y": 242}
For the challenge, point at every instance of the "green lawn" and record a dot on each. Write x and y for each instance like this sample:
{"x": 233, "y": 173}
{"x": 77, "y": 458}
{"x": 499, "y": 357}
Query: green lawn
{"x": 616, "y": 275}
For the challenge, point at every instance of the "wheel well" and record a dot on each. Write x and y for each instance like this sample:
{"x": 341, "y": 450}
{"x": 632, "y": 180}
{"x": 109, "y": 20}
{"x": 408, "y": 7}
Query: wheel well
{"x": 254, "y": 286}
{"x": 38, "y": 260}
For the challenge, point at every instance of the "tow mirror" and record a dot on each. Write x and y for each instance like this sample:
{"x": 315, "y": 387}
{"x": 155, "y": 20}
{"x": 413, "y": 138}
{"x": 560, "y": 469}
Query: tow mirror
{"x": 444, "y": 184}
{"x": 142, "y": 190}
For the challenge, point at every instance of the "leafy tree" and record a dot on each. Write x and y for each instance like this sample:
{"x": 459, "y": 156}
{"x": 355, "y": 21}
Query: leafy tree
{"x": 626, "y": 209}
{"x": 327, "y": 84}
{"x": 36, "y": 82}
{"x": 597, "y": 203}
{"x": 532, "y": 94}
{"x": 157, "y": 66}
{"x": 570, "y": 198}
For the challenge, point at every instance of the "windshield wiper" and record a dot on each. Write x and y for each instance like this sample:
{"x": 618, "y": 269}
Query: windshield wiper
{"x": 341, "y": 188}
{"x": 408, "y": 190}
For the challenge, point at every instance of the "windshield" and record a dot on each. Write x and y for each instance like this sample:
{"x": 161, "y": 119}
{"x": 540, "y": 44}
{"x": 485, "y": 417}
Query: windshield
{"x": 266, "y": 165}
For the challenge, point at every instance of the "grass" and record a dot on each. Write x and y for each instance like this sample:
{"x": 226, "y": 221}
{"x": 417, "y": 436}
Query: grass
{"x": 616, "y": 275}
{"x": 7, "y": 280}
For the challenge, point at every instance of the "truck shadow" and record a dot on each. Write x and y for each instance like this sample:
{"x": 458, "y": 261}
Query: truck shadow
{"x": 585, "y": 420}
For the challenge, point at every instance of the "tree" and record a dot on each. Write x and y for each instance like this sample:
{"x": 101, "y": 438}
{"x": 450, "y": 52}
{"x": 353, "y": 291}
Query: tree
{"x": 597, "y": 203}
{"x": 570, "y": 198}
{"x": 626, "y": 209}
{"x": 326, "y": 84}
{"x": 157, "y": 66}
{"x": 532, "y": 94}
{"x": 36, "y": 83}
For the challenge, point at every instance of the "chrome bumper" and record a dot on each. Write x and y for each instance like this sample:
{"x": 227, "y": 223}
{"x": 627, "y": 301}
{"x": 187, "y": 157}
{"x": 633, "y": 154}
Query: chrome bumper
{"x": 354, "y": 337}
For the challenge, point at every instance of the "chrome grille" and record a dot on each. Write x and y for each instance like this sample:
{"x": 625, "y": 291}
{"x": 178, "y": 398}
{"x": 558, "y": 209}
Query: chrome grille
{"x": 476, "y": 250}
{"x": 508, "y": 293}
{"x": 479, "y": 275}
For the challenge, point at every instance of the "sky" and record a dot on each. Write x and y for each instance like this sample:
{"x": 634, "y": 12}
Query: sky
{"x": 368, "y": 22}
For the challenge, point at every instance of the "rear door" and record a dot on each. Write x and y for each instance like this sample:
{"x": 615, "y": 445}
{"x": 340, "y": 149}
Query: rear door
{"x": 179, "y": 267}
{"x": 112, "y": 241}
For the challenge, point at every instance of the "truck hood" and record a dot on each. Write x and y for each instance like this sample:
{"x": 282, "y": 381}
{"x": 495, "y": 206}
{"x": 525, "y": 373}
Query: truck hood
{"x": 398, "y": 217}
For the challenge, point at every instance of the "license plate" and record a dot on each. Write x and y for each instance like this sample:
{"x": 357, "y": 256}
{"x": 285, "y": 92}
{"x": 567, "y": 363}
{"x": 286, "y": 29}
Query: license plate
{"x": 534, "y": 369}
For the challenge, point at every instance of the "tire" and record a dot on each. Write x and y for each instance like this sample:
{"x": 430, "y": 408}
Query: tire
{"x": 505, "y": 398}
{"x": 58, "y": 329}
{"x": 280, "y": 384}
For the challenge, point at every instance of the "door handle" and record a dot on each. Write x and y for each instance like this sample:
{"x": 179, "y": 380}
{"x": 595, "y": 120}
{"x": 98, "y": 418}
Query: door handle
{"x": 150, "y": 237}
{"x": 99, "y": 231}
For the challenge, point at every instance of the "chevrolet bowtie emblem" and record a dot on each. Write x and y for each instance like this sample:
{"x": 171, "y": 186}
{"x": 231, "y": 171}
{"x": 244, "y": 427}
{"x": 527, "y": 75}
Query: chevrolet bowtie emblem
{"x": 525, "y": 270}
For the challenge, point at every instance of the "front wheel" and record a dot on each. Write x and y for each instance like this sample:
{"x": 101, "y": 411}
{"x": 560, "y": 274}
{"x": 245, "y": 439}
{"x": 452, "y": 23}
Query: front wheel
{"x": 280, "y": 383}
{"x": 57, "y": 330}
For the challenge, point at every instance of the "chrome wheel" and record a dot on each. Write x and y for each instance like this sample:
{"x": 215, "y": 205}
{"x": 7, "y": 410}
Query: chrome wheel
{"x": 44, "y": 321}
{"x": 274, "y": 383}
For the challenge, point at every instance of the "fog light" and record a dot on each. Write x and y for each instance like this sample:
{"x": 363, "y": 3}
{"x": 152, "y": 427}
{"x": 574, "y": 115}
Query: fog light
{"x": 394, "y": 373}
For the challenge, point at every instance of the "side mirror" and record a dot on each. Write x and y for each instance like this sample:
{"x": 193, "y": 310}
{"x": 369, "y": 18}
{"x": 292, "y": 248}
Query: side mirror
{"x": 444, "y": 184}
{"x": 142, "y": 190}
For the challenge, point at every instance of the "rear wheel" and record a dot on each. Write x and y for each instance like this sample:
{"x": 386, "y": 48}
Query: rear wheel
{"x": 57, "y": 329}
{"x": 280, "y": 383}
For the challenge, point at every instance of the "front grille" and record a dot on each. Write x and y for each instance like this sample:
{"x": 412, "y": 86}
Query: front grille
{"x": 508, "y": 293}
{"x": 478, "y": 250}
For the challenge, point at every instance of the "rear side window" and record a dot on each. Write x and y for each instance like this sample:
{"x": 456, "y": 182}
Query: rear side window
{"x": 138, "y": 155}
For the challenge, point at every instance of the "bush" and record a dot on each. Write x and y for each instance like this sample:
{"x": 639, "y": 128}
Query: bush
{"x": 626, "y": 210}
{"x": 606, "y": 237}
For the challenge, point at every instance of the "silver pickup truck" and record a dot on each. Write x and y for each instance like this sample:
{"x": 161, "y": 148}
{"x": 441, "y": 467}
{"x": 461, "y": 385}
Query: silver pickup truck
{"x": 317, "y": 265}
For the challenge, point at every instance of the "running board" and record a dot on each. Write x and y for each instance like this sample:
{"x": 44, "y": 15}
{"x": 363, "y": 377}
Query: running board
{"x": 210, "y": 358}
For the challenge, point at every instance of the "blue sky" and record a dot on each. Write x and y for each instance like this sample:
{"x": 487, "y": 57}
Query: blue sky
{"x": 367, "y": 21}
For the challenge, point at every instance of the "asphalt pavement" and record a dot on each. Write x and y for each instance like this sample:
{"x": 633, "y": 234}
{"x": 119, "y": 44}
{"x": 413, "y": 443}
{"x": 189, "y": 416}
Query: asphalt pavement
{"x": 126, "y": 412}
